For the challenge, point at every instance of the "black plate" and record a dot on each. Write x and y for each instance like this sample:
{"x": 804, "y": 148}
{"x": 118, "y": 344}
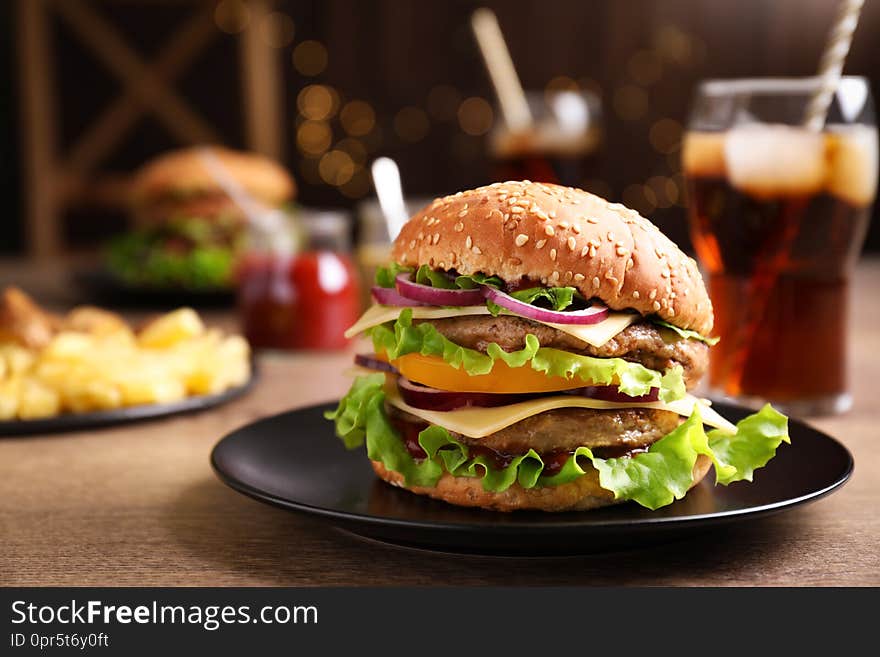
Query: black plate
{"x": 293, "y": 460}
{"x": 105, "y": 288}
{"x": 77, "y": 421}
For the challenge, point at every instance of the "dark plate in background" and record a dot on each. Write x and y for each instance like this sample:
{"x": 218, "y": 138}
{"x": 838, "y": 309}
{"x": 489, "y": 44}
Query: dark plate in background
{"x": 293, "y": 460}
{"x": 77, "y": 421}
{"x": 103, "y": 288}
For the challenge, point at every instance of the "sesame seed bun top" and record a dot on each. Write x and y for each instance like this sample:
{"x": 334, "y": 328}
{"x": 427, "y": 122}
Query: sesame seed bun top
{"x": 183, "y": 172}
{"x": 560, "y": 236}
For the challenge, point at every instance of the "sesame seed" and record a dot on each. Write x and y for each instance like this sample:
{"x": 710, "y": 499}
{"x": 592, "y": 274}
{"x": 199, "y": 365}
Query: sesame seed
{"x": 592, "y": 220}
{"x": 548, "y": 230}
{"x": 458, "y": 227}
{"x": 468, "y": 242}
{"x": 412, "y": 244}
{"x": 540, "y": 214}
{"x": 436, "y": 237}
{"x": 621, "y": 251}
{"x": 513, "y": 200}
{"x": 653, "y": 294}
{"x": 665, "y": 273}
{"x": 517, "y": 209}
{"x": 521, "y": 239}
{"x": 579, "y": 277}
{"x": 442, "y": 265}
{"x": 592, "y": 251}
{"x": 610, "y": 236}
{"x": 552, "y": 214}
{"x": 656, "y": 305}
{"x": 576, "y": 228}
{"x": 462, "y": 213}
{"x": 554, "y": 276}
{"x": 540, "y": 244}
{"x": 629, "y": 264}
{"x": 636, "y": 294}
{"x": 569, "y": 275}
{"x": 671, "y": 311}
{"x": 553, "y": 254}
{"x": 515, "y": 261}
{"x": 572, "y": 243}
{"x": 563, "y": 224}
{"x": 585, "y": 251}
{"x": 477, "y": 250}
{"x": 596, "y": 282}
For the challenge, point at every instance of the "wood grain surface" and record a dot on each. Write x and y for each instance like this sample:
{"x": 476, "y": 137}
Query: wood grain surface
{"x": 139, "y": 504}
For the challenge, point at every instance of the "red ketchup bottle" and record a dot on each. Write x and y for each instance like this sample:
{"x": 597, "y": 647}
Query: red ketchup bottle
{"x": 298, "y": 288}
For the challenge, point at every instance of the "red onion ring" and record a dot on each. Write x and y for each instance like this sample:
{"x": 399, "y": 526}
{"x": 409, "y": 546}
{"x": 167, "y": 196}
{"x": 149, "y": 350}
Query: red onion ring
{"x": 373, "y": 363}
{"x": 390, "y": 297}
{"x": 437, "y": 296}
{"x": 592, "y": 315}
{"x": 432, "y": 399}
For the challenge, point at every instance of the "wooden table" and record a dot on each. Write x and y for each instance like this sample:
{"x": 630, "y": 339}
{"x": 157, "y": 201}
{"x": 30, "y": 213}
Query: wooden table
{"x": 139, "y": 504}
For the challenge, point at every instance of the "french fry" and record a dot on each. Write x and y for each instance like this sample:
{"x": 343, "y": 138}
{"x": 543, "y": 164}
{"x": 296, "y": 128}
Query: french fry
{"x": 169, "y": 329}
{"x": 37, "y": 400}
{"x": 93, "y": 361}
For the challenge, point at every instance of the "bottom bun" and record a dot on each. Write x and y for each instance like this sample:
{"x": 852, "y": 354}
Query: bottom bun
{"x": 579, "y": 495}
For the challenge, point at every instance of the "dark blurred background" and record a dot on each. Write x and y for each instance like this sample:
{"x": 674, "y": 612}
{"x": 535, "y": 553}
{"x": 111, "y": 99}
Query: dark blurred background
{"x": 77, "y": 68}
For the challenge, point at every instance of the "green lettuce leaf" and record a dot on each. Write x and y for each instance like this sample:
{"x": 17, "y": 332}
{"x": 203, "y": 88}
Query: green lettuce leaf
{"x": 653, "y": 479}
{"x": 686, "y": 333}
{"x": 632, "y": 378}
{"x": 386, "y": 276}
{"x": 558, "y": 298}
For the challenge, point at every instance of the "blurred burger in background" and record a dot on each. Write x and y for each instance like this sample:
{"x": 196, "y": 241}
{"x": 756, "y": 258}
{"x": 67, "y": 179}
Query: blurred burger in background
{"x": 187, "y": 229}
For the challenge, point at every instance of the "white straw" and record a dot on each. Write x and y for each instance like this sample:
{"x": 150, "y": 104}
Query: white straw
{"x": 509, "y": 89}
{"x": 831, "y": 64}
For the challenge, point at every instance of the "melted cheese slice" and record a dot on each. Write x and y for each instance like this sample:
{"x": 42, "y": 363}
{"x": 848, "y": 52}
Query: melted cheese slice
{"x": 593, "y": 334}
{"x": 477, "y": 422}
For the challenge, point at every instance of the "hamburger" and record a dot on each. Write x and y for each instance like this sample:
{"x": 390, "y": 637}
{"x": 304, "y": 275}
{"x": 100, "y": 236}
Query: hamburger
{"x": 187, "y": 230}
{"x": 536, "y": 347}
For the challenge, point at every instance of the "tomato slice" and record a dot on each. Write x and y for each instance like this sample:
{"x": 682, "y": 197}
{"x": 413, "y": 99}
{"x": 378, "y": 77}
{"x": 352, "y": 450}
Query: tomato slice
{"x": 435, "y": 372}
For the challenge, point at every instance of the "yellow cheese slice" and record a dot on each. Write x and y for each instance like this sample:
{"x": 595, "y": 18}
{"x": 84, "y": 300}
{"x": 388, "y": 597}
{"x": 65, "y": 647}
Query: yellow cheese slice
{"x": 476, "y": 422}
{"x": 593, "y": 334}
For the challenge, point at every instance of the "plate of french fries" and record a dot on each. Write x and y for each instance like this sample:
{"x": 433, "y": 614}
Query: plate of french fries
{"x": 90, "y": 367}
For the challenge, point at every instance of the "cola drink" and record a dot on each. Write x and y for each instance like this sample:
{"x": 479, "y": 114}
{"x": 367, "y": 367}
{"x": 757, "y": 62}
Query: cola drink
{"x": 778, "y": 215}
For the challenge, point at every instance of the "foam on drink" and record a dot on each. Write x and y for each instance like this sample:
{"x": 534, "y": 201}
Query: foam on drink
{"x": 775, "y": 161}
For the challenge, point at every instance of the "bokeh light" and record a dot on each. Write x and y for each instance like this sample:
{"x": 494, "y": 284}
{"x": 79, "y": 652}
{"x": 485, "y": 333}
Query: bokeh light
{"x": 664, "y": 190}
{"x": 672, "y": 43}
{"x": 411, "y": 124}
{"x": 313, "y": 138}
{"x": 336, "y": 167}
{"x": 317, "y": 101}
{"x": 630, "y": 102}
{"x": 359, "y": 185}
{"x": 277, "y": 29}
{"x": 443, "y": 102}
{"x": 665, "y": 135}
{"x": 475, "y": 116}
{"x": 232, "y": 16}
{"x": 645, "y": 67}
{"x": 355, "y": 148}
{"x": 310, "y": 58}
{"x": 357, "y": 118}
{"x": 640, "y": 198}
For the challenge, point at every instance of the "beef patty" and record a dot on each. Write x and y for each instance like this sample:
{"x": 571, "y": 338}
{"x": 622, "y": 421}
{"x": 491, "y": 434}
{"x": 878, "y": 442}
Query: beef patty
{"x": 656, "y": 348}
{"x": 566, "y": 429}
